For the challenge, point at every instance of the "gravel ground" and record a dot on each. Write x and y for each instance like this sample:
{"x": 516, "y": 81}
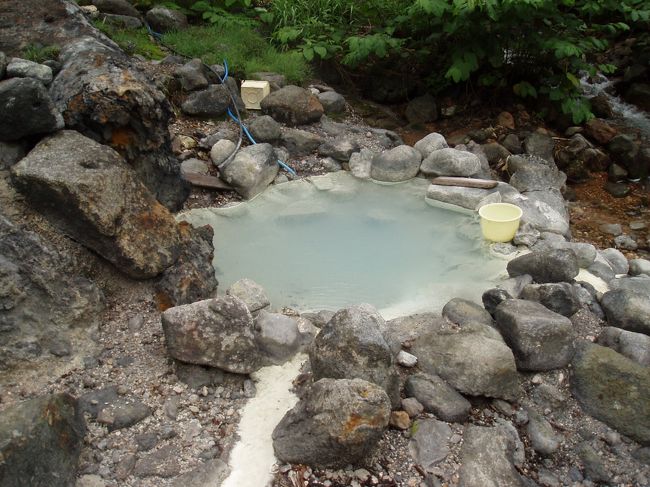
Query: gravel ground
{"x": 190, "y": 424}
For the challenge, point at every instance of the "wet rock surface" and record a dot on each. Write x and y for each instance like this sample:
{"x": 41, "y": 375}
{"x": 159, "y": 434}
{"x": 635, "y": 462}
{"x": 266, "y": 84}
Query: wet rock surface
{"x": 351, "y": 346}
{"x": 335, "y": 423}
{"x": 546, "y": 266}
{"x": 218, "y": 332}
{"x": 43, "y": 308}
{"x": 398, "y": 164}
{"x": 90, "y": 91}
{"x": 437, "y": 397}
{"x": 613, "y": 389}
{"x": 473, "y": 360}
{"x": 293, "y": 105}
{"x": 191, "y": 278}
{"x": 27, "y": 108}
{"x": 47, "y": 428}
{"x": 88, "y": 191}
{"x": 540, "y": 338}
{"x": 252, "y": 169}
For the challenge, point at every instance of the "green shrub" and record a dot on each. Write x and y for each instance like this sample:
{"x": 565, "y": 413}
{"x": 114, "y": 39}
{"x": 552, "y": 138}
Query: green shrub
{"x": 534, "y": 48}
{"x": 39, "y": 53}
{"x": 245, "y": 50}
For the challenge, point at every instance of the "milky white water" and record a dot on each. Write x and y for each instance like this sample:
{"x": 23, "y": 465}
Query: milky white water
{"x": 334, "y": 240}
{"x": 252, "y": 457}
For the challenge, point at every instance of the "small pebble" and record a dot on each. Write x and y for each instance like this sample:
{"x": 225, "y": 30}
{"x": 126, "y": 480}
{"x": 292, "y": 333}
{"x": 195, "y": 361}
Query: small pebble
{"x": 406, "y": 359}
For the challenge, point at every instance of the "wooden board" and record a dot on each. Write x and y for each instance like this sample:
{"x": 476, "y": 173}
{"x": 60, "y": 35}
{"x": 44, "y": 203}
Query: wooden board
{"x": 465, "y": 182}
{"x": 205, "y": 181}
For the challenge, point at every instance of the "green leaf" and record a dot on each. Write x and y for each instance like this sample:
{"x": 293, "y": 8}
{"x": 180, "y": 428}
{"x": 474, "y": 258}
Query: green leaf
{"x": 575, "y": 81}
{"x": 524, "y": 89}
{"x": 308, "y": 53}
{"x": 321, "y": 51}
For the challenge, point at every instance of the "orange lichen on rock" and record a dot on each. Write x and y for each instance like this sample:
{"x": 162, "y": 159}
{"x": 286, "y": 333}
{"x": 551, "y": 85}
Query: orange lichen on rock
{"x": 122, "y": 137}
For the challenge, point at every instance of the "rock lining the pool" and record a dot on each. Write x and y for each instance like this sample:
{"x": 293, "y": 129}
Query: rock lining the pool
{"x": 472, "y": 352}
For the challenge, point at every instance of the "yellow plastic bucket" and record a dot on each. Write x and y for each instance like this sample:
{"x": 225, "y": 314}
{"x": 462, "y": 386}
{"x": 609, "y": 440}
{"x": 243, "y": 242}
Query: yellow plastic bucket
{"x": 499, "y": 221}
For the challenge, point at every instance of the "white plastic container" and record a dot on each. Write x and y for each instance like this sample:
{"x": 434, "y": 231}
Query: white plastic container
{"x": 253, "y": 92}
{"x": 499, "y": 221}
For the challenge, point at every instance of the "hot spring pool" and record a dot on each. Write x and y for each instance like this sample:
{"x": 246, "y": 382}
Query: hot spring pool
{"x": 334, "y": 240}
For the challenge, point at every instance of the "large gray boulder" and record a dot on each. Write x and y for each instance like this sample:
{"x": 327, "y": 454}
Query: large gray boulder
{"x": 540, "y": 145}
{"x": 450, "y": 162}
{"x": 89, "y": 192}
{"x": 487, "y": 458}
{"x": 437, "y": 397}
{"x": 470, "y": 198}
{"x": 613, "y": 389}
{"x": 544, "y": 211}
{"x": 536, "y": 178}
{"x": 193, "y": 76}
{"x": 351, "y": 346}
{"x": 292, "y": 105}
{"x": 635, "y": 346}
{"x": 637, "y": 284}
{"x": 336, "y": 422}
{"x": 42, "y": 304}
{"x": 210, "y": 102}
{"x": 473, "y": 360}
{"x": 429, "y": 444}
{"x": 617, "y": 260}
{"x": 104, "y": 96}
{"x": 332, "y": 102}
{"x": 546, "y": 266}
{"x": 277, "y": 336}
{"x": 164, "y": 19}
{"x": 191, "y": 278}
{"x": 23, "y": 68}
{"x": 639, "y": 267}
{"x": 340, "y": 148}
{"x": 560, "y": 297}
{"x": 627, "y": 310}
{"x": 26, "y": 109}
{"x": 251, "y": 170}
{"x": 300, "y": 142}
{"x": 398, "y": 164}
{"x": 264, "y": 129}
{"x": 432, "y": 142}
{"x": 463, "y": 312}
{"x": 585, "y": 252}
{"x": 218, "y": 332}
{"x": 23, "y": 25}
{"x": 40, "y": 442}
{"x": 539, "y": 338}
{"x": 252, "y": 294}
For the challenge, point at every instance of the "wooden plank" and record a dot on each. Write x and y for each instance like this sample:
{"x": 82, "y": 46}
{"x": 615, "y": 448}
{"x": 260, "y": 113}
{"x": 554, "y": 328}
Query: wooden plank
{"x": 465, "y": 182}
{"x": 205, "y": 181}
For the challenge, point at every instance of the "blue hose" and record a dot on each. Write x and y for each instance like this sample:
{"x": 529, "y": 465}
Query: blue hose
{"x": 283, "y": 165}
{"x": 158, "y": 37}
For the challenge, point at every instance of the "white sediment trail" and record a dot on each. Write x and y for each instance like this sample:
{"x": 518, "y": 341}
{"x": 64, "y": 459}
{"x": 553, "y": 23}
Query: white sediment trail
{"x": 252, "y": 458}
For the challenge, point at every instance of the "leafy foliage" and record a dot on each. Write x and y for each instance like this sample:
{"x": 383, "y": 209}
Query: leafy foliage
{"x": 535, "y": 48}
